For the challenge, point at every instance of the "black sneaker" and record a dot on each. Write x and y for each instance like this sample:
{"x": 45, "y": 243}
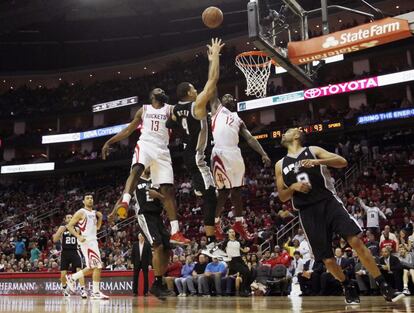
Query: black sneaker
{"x": 351, "y": 294}
{"x": 389, "y": 293}
{"x": 158, "y": 291}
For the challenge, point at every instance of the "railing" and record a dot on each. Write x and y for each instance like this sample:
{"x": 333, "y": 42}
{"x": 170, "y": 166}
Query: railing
{"x": 121, "y": 225}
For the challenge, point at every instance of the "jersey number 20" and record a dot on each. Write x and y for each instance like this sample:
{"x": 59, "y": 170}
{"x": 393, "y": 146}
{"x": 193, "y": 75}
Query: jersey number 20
{"x": 70, "y": 240}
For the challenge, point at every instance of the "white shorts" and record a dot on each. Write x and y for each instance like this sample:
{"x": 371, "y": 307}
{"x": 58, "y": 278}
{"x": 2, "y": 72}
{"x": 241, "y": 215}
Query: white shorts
{"x": 228, "y": 167}
{"x": 90, "y": 251}
{"x": 158, "y": 159}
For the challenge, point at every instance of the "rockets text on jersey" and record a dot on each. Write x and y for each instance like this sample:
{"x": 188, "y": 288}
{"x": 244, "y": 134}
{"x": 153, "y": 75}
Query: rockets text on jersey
{"x": 153, "y": 129}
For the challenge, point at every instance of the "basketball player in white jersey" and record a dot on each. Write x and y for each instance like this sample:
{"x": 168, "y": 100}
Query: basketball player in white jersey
{"x": 227, "y": 161}
{"x": 151, "y": 151}
{"x": 89, "y": 222}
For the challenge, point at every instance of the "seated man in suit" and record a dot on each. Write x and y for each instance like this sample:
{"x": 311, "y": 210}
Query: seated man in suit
{"x": 391, "y": 268}
{"x": 141, "y": 259}
{"x": 309, "y": 277}
{"x": 366, "y": 283}
{"x": 330, "y": 285}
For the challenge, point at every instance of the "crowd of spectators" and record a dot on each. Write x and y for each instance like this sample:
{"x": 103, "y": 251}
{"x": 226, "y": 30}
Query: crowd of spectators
{"x": 385, "y": 183}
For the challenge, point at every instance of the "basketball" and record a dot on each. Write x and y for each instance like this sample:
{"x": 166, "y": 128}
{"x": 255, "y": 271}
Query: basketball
{"x": 212, "y": 17}
{"x": 122, "y": 213}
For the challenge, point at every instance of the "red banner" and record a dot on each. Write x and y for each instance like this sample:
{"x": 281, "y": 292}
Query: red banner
{"x": 349, "y": 40}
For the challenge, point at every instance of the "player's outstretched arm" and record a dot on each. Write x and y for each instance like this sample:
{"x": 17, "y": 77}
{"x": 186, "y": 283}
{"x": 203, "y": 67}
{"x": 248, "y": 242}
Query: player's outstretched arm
{"x": 325, "y": 158}
{"x": 200, "y": 108}
{"x": 71, "y": 226}
{"x": 56, "y": 236}
{"x": 125, "y": 133}
{"x": 99, "y": 222}
{"x": 286, "y": 193}
{"x": 214, "y": 102}
{"x": 254, "y": 144}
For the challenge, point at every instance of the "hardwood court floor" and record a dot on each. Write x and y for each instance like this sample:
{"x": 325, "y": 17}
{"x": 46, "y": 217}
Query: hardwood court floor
{"x": 38, "y": 304}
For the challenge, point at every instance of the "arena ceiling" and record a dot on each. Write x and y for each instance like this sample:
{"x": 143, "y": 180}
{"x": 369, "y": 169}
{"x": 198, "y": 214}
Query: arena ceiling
{"x": 50, "y": 35}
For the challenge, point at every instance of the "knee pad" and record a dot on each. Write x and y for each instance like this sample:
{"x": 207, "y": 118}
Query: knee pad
{"x": 209, "y": 206}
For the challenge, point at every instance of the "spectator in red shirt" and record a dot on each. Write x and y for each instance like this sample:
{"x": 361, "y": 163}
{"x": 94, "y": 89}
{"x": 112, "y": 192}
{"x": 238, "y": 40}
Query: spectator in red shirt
{"x": 173, "y": 272}
{"x": 387, "y": 242}
{"x": 281, "y": 257}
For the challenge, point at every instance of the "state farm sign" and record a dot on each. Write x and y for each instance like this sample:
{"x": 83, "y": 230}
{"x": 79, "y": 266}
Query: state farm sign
{"x": 350, "y": 40}
{"x": 354, "y": 85}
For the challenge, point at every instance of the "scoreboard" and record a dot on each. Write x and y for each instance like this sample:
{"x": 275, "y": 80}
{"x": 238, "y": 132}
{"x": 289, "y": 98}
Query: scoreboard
{"x": 308, "y": 129}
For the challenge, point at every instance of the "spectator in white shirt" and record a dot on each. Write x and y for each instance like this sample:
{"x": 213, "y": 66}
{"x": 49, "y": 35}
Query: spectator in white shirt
{"x": 304, "y": 249}
{"x": 300, "y": 236}
{"x": 373, "y": 213}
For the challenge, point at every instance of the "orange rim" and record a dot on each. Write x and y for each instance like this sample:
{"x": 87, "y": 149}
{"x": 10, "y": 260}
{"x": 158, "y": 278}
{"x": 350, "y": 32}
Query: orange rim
{"x": 254, "y": 53}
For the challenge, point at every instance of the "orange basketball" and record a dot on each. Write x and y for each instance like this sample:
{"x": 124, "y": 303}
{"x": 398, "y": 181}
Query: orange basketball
{"x": 212, "y": 17}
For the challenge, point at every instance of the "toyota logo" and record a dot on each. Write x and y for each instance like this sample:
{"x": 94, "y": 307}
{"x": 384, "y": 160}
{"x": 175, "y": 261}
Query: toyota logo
{"x": 312, "y": 93}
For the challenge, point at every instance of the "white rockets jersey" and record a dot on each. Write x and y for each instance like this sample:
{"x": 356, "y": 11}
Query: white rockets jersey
{"x": 88, "y": 226}
{"x": 153, "y": 129}
{"x": 225, "y": 126}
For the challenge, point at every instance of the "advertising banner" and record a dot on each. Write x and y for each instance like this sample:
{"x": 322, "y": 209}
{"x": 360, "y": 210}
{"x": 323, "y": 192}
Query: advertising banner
{"x": 24, "y": 168}
{"x": 114, "y": 104}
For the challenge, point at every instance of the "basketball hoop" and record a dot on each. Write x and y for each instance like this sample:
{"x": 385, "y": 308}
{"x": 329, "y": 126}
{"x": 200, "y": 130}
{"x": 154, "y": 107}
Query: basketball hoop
{"x": 255, "y": 66}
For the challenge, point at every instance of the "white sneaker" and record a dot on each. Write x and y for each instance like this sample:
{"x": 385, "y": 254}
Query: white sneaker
{"x": 180, "y": 295}
{"x": 99, "y": 296}
{"x": 66, "y": 293}
{"x": 84, "y": 294}
{"x": 213, "y": 251}
{"x": 70, "y": 283}
{"x": 406, "y": 292}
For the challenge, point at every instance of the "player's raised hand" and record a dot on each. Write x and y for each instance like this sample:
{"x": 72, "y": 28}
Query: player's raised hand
{"x": 105, "y": 151}
{"x": 214, "y": 48}
{"x": 266, "y": 160}
{"x": 301, "y": 187}
{"x": 309, "y": 163}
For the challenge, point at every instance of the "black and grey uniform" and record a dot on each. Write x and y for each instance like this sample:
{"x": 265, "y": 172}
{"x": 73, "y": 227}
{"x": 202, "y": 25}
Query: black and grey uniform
{"x": 321, "y": 212}
{"x": 195, "y": 143}
{"x": 148, "y": 212}
{"x": 70, "y": 258}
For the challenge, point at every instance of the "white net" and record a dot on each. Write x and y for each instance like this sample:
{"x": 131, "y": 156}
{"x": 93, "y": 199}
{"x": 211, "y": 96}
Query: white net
{"x": 256, "y": 67}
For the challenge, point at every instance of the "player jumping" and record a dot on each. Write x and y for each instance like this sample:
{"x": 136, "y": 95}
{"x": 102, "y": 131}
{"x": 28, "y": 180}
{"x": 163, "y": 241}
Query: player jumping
{"x": 191, "y": 115}
{"x": 148, "y": 209}
{"x": 151, "y": 151}
{"x": 227, "y": 161}
{"x": 69, "y": 257}
{"x": 89, "y": 222}
{"x": 303, "y": 177}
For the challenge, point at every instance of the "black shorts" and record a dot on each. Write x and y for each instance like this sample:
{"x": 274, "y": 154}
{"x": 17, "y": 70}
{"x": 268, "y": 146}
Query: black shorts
{"x": 70, "y": 260}
{"x": 321, "y": 221}
{"x": 154, "y": 229}
{"x": 200, "y": 171}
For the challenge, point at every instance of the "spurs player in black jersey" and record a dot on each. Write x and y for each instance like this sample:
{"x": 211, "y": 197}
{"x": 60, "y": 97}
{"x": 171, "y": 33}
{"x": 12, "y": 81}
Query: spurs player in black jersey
{"x": 69, "y": 258}
{"x": 302, "y": 176}
{"x": 148, "y": 208}
{"x": 191, "y": 115}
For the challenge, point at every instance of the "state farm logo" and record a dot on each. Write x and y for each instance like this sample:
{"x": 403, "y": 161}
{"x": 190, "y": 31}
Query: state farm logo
{"x": 330, "y": 42}
{"x": 363, "y": 33}
{"x": 341, "y": 88}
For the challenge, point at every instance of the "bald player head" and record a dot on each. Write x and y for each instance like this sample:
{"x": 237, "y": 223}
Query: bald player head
{"x": 292, "y": 136}
{"x": 229, "y": 102}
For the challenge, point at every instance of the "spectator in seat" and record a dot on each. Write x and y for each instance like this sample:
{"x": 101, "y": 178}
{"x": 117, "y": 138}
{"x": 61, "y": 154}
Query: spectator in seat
{"x": 20, "y": 249}
{"x": 386, "y": 242}
{"x": 300, "y": 236}
{"x": 41, "y": 267}
{"x": 304, "y": 250}
{"x": 186, "y": 273}
{"x": 372, "y": 244}
{"x": 284, "y": 213}
{"x": 173, "y": 272}
{"x": 310, "y": 277}
{"x": 214, "y": 272}
{"x": 407, "y": 262}
{"x": 403, "y": 239}
{"x": 42, "y": 242}
{"x": 329, "y": 285}
{"x": 408, "y": 225}
{"x": 296, "y": 266}
{"x": 198, "y": 271}
{"x": 366, "y": 283}
{"x": 391, "y": 268}
{"x": 291, "y": 249}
